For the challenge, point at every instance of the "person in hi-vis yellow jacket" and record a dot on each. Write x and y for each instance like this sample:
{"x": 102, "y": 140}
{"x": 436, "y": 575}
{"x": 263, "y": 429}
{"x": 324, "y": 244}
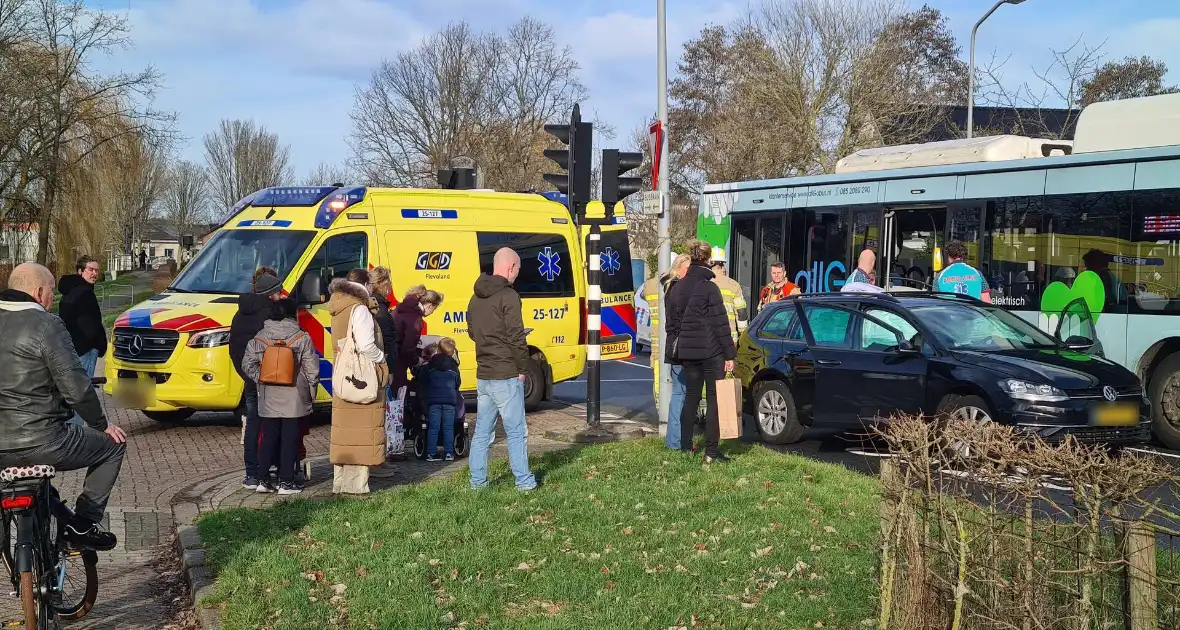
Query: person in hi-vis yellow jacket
{"x": 731, "y": 293}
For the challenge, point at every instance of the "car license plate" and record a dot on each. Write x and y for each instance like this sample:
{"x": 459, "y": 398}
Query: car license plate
{"x": 616, "y": 350}
{"x": 1115, "y": 415}
{"x": 135, "y": 393}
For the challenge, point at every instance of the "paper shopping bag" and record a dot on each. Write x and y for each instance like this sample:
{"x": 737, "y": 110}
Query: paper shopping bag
{"x": 395, "y": 435}
{"x": 729, "y": 407}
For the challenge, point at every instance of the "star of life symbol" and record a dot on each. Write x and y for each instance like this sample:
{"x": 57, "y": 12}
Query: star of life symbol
{"x": 550, "y": 266}
{"x": 610, "y": 261}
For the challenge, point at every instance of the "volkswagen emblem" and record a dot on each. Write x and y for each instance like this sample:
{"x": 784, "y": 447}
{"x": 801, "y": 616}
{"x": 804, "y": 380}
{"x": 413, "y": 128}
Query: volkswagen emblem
{"x": 135, "y": 346}
{"x": 1109, "y": 393}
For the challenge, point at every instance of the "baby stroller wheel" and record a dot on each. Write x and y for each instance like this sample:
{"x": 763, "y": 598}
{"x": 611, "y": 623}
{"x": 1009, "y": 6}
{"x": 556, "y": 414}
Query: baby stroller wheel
{"x": 460, "y": 444}
{"x": 420, "y": 445}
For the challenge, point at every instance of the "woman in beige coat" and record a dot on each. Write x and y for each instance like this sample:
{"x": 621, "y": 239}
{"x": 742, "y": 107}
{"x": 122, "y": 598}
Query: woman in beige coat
{"x": 358, "y": 431}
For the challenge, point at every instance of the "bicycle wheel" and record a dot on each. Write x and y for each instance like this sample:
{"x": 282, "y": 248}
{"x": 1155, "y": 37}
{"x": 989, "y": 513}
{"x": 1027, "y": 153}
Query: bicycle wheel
{"x": 79, "y": 588}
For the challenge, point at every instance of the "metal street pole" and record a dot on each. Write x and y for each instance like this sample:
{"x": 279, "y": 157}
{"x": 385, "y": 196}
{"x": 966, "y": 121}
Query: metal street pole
{"x": 664, "y": 262}
{"x": 971, "y": 69}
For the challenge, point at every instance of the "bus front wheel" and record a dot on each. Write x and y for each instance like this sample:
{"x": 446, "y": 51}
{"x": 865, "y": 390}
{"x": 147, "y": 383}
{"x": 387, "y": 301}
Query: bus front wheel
{"x": 1164, "y": 393}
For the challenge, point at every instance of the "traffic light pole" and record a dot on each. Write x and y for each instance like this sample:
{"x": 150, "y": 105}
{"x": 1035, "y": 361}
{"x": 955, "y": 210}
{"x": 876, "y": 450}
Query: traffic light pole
{"x": 594, "y": 327}
{"x": 664, "y": 233}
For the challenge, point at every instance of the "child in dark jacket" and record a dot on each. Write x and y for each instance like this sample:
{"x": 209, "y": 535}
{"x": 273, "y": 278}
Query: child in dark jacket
{"x": 442, "y": 385}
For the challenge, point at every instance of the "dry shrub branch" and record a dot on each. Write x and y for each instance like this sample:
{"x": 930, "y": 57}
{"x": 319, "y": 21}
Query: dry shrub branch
{"x": 987, "y": 528}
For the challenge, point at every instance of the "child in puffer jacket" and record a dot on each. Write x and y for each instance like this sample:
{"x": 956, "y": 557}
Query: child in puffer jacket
{"x": 442, "y": 390}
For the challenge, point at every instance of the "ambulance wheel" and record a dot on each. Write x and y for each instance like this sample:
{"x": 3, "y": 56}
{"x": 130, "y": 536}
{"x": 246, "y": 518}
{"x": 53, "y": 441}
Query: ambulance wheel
{"x": 534, "y": 384}
{"x": 420, "y": 445}
{"x": 180, "y": 415}
{"x": 460, "y": 444}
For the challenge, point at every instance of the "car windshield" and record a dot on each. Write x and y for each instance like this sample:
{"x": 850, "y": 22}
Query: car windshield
{"x": 227, "y": 263}
{"x": 961, "y": 326}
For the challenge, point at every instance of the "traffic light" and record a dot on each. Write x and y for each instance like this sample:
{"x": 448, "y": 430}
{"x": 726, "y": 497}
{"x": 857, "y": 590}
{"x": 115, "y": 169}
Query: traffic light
{"x": 616, "y": 187}
{"x": 575, "y": 160}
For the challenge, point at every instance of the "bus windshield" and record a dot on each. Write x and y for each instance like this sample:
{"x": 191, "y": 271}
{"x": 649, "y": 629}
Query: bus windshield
{"x": 228, "y": 262}
{"x": 970, "y": 327}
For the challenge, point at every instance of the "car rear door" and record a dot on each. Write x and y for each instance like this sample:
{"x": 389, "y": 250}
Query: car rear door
{"x": 778, "y": 345}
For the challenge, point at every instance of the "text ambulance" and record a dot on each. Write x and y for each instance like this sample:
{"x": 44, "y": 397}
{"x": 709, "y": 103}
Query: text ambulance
{"x": 169, "y": 355}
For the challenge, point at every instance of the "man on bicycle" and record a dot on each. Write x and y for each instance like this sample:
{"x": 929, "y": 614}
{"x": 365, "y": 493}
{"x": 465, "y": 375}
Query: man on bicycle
{"x": 42, "y": 387}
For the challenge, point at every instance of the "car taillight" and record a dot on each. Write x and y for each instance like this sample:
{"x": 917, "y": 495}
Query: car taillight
{"x": 22, "y": 502}
{"x": 582, "y": 321}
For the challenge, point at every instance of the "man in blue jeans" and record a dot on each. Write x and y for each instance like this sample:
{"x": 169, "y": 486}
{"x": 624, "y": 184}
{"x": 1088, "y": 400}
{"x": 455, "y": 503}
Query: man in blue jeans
{"x": 80, "y": 312}
{"x": 496, "y": 326}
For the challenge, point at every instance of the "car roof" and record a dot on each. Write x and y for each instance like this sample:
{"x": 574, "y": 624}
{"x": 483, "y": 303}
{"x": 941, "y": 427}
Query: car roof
{"x": 903, "y": 298}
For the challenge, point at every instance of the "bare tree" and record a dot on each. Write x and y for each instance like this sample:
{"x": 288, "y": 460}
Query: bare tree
{"x": 326, "y": 174}
{"x": 463, "y": 93}
{"x": 420, "y": 109}
{"x": 186, "y": 201}
{"x": 1041, "y": 108}
{"x": 242, "y": 157}
{"x": 797, "y": 84}
{"x": 77, "y": 111}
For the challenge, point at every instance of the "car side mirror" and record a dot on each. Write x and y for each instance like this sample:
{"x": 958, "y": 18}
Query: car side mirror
{"x": 311, "y": 289}
{"x": 1078, "y": 342}
{"x": 905, "y": 347}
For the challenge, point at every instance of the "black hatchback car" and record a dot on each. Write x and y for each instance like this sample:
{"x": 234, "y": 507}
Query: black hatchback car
{"x": 844, "y": 360}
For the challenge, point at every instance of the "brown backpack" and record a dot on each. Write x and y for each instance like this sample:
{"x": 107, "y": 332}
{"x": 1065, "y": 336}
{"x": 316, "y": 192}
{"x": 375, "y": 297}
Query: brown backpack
{"x": 278, "y": 361}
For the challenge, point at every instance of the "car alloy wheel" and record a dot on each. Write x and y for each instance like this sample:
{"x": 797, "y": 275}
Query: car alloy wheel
{"x": 772, "y": 412}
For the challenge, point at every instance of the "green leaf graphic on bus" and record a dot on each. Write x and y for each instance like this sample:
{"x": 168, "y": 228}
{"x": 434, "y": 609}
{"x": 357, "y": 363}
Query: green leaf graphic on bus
{"x": 1087, "y": 286}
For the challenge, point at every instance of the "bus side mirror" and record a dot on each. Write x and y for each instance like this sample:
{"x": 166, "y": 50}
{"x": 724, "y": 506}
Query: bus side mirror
{"x": 311, "y": 289}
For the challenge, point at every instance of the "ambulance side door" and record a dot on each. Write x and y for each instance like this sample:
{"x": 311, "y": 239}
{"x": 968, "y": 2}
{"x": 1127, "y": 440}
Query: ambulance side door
{"x": 336, "y": 253}
{"x": 446, "y": 261}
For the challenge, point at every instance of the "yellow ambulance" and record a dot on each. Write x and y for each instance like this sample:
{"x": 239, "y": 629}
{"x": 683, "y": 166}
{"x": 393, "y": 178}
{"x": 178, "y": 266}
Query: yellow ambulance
{"x": 169, "y": 356}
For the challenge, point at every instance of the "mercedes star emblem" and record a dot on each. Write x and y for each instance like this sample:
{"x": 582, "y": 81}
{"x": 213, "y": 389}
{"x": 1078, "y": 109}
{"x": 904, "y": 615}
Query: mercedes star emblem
{"x": 135, "y": 346}
{"x": 1109, "y": 393}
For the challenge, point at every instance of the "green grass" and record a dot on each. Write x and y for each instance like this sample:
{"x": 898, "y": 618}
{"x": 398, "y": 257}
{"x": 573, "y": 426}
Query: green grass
{"x": 622, "y": 536}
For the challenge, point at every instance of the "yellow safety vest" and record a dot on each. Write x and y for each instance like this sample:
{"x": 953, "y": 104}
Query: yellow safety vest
{"x": 735, "y": 305}
{"x": 652, "y": 291}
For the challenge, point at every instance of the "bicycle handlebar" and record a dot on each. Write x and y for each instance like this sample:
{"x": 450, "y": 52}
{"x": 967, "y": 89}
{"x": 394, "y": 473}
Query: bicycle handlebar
{"x": 98, "y": 380}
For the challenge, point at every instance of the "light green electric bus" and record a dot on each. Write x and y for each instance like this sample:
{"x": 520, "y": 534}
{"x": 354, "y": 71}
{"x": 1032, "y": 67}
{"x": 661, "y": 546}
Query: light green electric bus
{"x": 1088, "y": 229}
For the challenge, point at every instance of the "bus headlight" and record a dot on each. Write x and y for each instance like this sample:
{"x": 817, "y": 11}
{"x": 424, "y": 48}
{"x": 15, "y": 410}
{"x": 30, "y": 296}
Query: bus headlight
{"x": 209, "y": 338}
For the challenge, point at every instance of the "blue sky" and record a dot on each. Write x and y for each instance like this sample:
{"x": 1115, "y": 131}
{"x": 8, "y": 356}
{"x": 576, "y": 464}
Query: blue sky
{"x": 292, "y": 64}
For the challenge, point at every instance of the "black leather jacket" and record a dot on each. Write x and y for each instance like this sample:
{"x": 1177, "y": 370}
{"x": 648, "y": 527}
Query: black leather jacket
{"x": 43, "y": 382}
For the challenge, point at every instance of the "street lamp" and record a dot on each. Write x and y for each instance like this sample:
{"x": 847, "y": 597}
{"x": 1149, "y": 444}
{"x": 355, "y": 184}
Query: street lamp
{"x": 971, "y": 72}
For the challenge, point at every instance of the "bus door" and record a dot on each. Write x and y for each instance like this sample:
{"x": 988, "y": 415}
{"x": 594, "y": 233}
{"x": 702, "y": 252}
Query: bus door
{"x": 911, "y": 237}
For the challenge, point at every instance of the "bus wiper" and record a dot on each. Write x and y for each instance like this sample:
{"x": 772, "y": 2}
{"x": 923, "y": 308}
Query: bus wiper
{"x": 176, "y": 290}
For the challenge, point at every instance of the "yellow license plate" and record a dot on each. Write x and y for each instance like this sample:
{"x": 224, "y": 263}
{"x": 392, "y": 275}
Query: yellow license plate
{"x": 618, "y": 350}
{"x": 1115, "y": 415}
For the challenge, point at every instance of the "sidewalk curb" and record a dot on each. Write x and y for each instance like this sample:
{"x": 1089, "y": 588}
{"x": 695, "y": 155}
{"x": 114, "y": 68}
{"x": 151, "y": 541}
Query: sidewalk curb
{"x": 197, "y": 574}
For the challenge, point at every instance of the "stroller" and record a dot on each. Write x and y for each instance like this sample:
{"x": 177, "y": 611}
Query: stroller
{"x": 416, "y": 418}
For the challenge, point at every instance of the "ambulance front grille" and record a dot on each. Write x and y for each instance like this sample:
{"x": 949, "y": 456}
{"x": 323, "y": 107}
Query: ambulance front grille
{"x": 145, "y": 345}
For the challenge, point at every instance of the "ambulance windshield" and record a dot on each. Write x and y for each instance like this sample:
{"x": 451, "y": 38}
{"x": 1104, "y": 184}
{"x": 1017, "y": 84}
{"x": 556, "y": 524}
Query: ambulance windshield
{"x": 227, "y": 263}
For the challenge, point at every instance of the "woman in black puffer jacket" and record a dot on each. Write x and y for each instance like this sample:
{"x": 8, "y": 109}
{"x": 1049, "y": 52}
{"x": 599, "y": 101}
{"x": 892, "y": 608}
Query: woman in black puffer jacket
{"x": 698, "y": 328}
